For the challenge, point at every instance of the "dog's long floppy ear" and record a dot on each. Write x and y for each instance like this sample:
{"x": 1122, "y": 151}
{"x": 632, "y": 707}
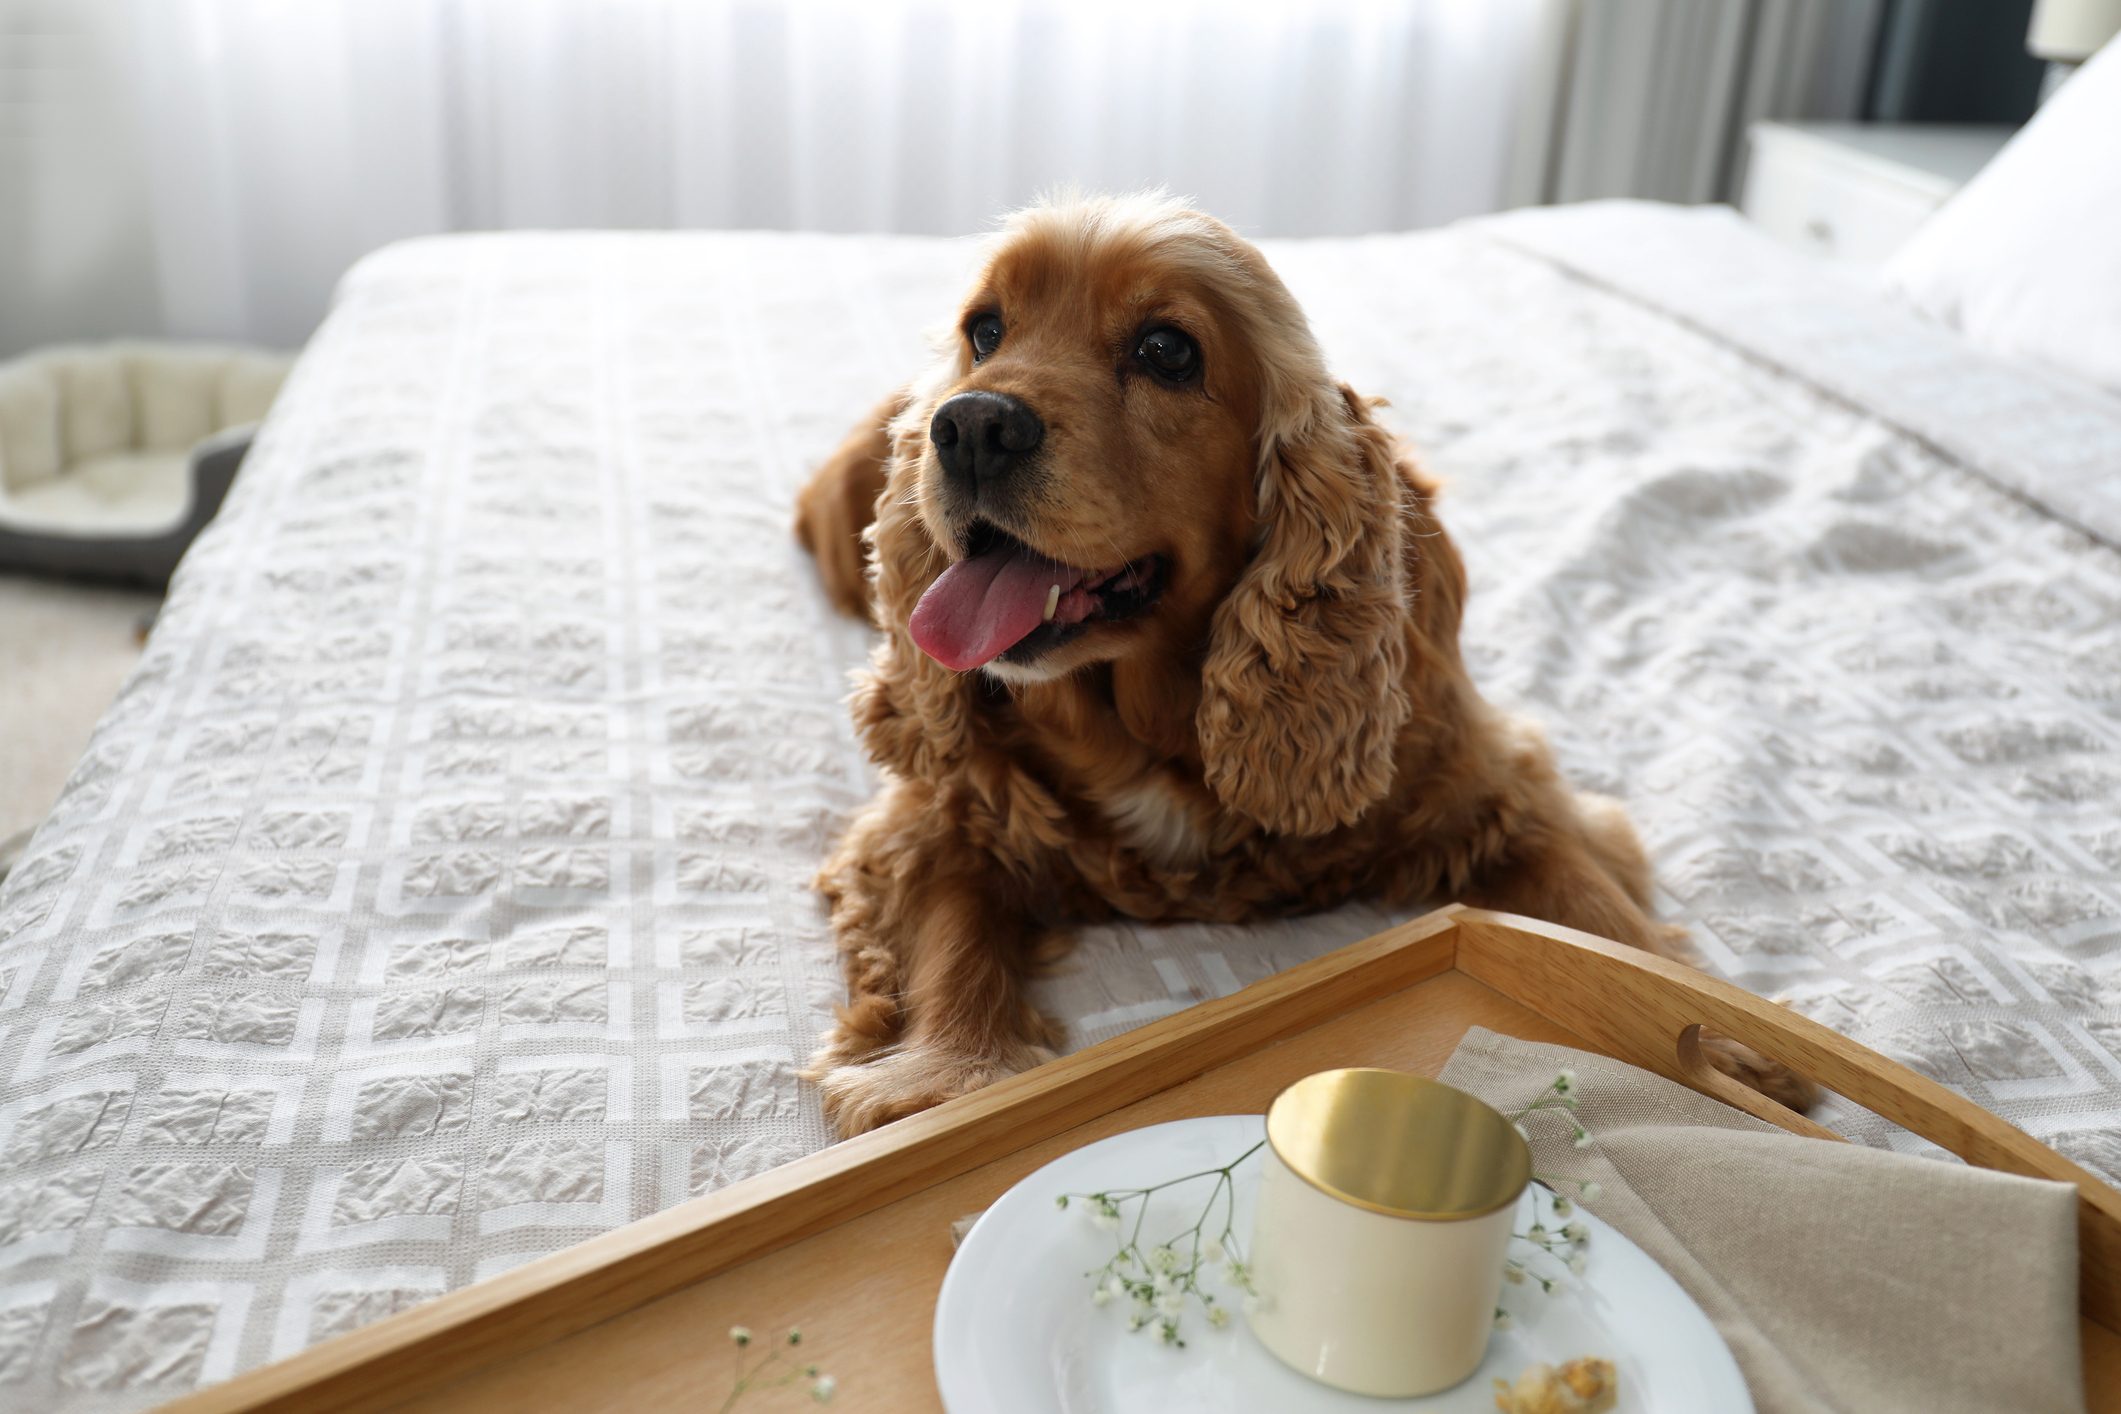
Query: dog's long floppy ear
{"x": 1302, "y": 693}
{"x": 914, "y": 715}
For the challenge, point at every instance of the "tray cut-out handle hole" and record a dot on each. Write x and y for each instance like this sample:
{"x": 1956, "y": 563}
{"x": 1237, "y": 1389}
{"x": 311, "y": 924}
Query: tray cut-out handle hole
{"x": 1698, "y": 1050}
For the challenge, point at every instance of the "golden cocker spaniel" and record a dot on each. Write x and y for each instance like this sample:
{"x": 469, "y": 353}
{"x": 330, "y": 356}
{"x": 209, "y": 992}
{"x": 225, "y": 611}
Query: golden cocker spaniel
{"x": 1170, "y": 631}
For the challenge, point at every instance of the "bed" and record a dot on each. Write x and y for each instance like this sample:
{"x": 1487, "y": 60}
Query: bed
{"x": 435, "y": 895}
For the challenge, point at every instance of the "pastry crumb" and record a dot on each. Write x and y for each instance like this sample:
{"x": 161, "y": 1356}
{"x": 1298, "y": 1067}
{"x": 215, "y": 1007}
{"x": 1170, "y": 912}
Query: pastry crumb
{"x": 1585, "y": 1386}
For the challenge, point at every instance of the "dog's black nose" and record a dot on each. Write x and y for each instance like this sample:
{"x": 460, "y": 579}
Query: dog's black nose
{"x": 983, "y": 436}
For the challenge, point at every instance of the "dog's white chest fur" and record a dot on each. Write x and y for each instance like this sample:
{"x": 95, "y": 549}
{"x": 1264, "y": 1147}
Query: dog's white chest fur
{"x": 1158, "y": 820}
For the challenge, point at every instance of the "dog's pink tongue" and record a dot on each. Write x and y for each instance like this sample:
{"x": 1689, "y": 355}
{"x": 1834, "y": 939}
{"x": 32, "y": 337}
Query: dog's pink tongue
{"x": 978, "y": 609}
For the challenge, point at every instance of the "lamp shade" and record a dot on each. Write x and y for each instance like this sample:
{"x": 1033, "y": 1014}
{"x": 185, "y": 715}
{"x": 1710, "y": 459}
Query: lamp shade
{"x": 2072, "y": 30}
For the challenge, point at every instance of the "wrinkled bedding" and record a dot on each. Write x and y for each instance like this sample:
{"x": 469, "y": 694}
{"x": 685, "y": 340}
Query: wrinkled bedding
{"x": 435, "y": 894}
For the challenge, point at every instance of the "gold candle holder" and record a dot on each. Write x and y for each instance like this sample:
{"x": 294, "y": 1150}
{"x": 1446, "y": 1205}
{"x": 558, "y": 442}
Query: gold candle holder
{"x": 1386, "y": 1203}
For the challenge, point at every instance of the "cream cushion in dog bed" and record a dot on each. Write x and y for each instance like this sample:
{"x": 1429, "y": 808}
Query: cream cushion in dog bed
{"x": 97, "y": 440}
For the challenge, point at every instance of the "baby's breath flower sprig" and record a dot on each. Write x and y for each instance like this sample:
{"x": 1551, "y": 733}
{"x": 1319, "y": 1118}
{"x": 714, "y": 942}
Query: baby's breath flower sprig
{"x": 765, "y": 1375}
{"x": 1560, "y": 1095}
{"x": 1556, "y": 1238}
{"x": 1562, "y": 1244}
{"x": 1159, "y": 1280}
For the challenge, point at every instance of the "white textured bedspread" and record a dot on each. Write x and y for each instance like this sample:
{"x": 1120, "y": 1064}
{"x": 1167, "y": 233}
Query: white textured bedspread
{"x": 435, "y": 896}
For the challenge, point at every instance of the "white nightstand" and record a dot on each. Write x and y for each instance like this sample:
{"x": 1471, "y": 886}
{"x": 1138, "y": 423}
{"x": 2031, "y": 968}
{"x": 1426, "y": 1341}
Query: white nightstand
{"x": 1854, "y": 191}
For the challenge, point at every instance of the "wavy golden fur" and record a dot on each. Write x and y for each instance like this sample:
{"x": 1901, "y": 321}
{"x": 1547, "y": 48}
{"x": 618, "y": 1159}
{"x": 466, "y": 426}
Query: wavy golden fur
{"x": 1287, "y": 727}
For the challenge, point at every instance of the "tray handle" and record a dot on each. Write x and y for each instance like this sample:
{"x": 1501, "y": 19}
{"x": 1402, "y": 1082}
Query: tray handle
{"x": 1651, "y": 1011}
{"x": 1695, "y": 1070}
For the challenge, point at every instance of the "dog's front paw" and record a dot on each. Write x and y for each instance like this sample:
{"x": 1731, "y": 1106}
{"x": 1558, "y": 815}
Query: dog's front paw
{"x": 862, "y": 1094}
{"x": 1675, "y": 941}
{"x": 865, "y": 1029}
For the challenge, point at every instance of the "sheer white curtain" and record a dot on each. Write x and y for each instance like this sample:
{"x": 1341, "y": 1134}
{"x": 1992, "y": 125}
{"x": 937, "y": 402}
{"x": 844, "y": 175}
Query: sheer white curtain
{"x": 283, "y": 140}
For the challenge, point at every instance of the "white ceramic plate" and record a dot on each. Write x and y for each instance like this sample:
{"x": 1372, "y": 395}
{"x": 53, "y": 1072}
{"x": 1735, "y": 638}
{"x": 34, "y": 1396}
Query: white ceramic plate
{"x": 1016, "y": 1333}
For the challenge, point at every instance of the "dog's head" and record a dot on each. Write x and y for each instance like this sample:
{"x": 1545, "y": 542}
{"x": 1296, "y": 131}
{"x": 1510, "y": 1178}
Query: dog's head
{"x": 1130, "y": 454}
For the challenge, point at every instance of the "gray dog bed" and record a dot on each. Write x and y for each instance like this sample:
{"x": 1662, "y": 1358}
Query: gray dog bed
{"x": 114, "y": 457}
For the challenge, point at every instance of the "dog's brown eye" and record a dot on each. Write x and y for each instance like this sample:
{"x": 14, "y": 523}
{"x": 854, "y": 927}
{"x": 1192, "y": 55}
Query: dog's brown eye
{"x": 986, "y": 335}
{"x": 1169, "y": 352}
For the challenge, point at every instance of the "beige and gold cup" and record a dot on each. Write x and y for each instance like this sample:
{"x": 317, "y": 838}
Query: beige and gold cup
{"x": 1385, "y": 1209}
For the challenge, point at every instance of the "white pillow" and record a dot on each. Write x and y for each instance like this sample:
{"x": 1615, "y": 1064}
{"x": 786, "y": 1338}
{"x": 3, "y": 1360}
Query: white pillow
{"x": 2025, "y": 259}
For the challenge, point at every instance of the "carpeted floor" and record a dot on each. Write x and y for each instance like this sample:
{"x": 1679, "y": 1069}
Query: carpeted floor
{"x": 64, "y": 651}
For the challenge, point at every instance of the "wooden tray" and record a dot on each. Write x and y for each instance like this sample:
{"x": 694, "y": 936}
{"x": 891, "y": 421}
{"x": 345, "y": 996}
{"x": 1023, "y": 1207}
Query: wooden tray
{"x": 851, "y": 1243}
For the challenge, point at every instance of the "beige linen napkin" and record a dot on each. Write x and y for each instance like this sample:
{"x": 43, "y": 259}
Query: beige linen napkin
{"x": 1844, "y": 1278}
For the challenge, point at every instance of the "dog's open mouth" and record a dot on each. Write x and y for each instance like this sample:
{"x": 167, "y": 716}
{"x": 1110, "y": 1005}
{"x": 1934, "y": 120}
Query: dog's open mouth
{"x": 1006, "y": 600}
